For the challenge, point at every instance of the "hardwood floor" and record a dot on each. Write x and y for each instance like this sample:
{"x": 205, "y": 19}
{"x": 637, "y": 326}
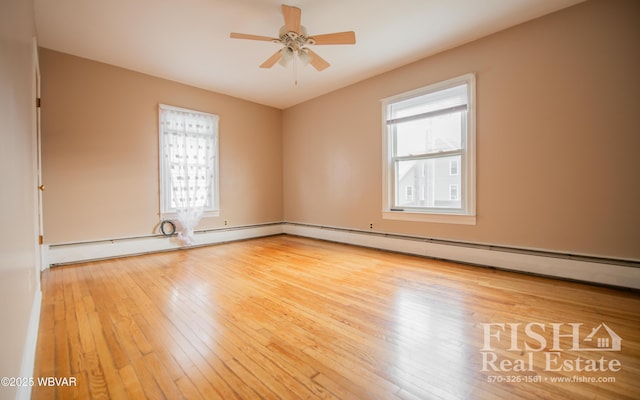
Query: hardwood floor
{"x": 286, "y": 317}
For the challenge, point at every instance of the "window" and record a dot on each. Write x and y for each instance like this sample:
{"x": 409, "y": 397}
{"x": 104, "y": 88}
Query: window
{"x": 188, "y": 161}
{"x": 453, "y": 192}
{"x": 429, "y": 145}
{"x": 453, "y": 167}
{"x": 408, "y": 193}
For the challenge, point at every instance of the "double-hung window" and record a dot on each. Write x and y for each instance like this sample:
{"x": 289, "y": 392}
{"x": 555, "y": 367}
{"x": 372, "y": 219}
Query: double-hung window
{"x": 188, "y": 161}
{"x": 429, "y": 149}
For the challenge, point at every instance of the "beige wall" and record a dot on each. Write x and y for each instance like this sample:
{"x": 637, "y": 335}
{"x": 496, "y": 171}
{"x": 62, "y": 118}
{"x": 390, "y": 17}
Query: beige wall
{"x": 556, "y": 142}
{"x": 19, "y": 281}
{"x": 100, "y": 151}
{"x": 557, "y": 138}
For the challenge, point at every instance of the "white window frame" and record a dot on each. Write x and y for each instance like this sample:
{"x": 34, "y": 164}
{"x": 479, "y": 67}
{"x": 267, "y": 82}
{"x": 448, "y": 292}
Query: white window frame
{"x": 166, "y": 211}
{"x": 467, "y": 167}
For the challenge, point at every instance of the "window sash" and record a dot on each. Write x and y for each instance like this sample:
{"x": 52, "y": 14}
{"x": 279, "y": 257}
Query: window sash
{"x": 429, "y": 114}
{"x": 394, "y": 131}
{"x": 461, "y": 152}
{"x": 429, "y": 155}
{"x": 397, "y": 197}
{"x": 406, "y": 107}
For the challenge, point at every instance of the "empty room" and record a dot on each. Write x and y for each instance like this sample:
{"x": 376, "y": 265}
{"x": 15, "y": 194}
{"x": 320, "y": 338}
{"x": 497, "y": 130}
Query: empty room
{"x": 260, "y": 199}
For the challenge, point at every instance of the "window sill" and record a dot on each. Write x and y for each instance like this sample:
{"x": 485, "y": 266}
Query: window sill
{"x": 430, "y": 217}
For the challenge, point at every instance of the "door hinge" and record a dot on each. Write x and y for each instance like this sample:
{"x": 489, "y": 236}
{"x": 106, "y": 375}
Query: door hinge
{"x": 38, "y": 102}
{"x": 40, "y": 239}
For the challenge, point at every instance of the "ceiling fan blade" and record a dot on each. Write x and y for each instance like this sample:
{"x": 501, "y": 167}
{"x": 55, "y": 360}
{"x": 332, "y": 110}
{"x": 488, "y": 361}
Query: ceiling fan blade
{"x": 271, "y": 60}
{"x": 235, "y": 35}
{"x": 292, "y": 16}
{"x": 348, "y": 37}
{"x": 318, "y": 62}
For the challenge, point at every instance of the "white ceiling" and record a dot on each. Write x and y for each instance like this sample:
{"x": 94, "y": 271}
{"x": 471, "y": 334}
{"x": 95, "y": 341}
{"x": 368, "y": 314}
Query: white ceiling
{"x": 188, "y": 40}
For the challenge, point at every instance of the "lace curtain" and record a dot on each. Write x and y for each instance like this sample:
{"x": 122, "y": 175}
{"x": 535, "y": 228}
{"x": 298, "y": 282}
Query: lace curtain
{"x": 189, "y": 141}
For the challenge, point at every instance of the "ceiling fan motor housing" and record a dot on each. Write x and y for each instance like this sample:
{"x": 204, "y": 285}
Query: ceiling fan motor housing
{"x": 294, "y": 40}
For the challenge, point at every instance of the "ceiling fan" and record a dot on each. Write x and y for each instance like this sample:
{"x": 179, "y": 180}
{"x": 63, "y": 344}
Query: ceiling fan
{"x": 295, "y": 40}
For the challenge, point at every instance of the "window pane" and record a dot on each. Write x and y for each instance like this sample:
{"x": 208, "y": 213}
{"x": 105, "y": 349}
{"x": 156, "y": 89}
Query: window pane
{"x": 188, "y": 186}
{"x": 433, "y": 101}
{"x": 189, "y": 161}
{"x": 429, "y": 183}
{"x": 429, "y": 135}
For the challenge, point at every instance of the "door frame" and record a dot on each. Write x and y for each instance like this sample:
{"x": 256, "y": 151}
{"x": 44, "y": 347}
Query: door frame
{"x": 37, "y": 162}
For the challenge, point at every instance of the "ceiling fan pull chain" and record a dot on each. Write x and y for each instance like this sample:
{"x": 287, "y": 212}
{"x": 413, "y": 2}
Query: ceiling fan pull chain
{"x": 295, "y": 69}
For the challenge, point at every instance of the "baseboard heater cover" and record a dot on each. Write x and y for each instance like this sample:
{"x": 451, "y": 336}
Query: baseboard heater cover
{"x": 70, "y": 253}
{"x": 602, "y": 271}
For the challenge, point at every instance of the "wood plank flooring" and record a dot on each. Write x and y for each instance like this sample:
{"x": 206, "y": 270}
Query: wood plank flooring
{"x": 286, "y": 317}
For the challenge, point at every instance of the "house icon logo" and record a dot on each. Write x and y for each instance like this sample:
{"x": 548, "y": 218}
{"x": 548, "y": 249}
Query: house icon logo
{"x": 602, "y": 338}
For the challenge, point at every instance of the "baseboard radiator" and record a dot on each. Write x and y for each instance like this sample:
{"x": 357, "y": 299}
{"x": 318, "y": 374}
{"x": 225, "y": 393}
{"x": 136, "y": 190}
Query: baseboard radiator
{"x": 71, "y": 253}
{"x": 598, "y": 270}
{"x": 602, "y": 271}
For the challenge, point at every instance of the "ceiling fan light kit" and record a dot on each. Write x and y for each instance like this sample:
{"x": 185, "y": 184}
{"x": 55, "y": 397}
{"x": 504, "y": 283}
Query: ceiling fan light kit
{"x": 294, "y": 39}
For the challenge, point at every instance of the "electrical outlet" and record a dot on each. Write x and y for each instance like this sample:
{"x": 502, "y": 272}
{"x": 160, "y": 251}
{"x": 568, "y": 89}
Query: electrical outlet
{"x": 225, "y": 222}
{"x": 370, "y": 226}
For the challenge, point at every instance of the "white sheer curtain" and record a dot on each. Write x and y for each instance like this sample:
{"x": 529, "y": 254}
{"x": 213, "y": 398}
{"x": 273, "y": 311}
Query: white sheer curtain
{"x": 189, "y": 143}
